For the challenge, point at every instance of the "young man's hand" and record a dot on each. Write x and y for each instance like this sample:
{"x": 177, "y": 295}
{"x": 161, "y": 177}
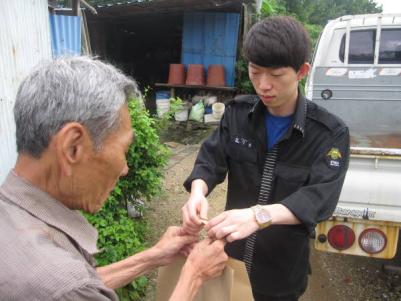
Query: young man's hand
{"x": 173, "y": 241}
{"x": 232, "y": 225}
{"x": 194, "y": 212}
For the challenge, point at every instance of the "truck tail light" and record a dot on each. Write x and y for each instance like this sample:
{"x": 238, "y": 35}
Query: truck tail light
{"x": 341, "y": 237}
{"x": 372, "y": 241}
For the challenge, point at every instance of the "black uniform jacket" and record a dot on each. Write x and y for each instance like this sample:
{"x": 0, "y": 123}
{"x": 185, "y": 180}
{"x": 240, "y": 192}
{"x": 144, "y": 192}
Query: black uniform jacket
{"x": 311, "y": 164}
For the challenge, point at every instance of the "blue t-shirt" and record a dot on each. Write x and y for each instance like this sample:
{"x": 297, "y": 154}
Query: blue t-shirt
{"x": 276, "y": 127}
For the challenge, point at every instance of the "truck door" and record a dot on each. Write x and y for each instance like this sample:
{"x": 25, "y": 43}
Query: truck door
{"x": 364, "y": 86}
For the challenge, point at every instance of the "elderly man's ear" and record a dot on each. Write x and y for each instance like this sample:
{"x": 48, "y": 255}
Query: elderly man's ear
{"x": 72, "y": 143}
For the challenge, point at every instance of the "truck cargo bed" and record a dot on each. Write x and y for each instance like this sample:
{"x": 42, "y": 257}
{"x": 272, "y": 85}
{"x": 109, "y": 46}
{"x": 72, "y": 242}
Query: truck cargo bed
{"x": 390, "y": 139}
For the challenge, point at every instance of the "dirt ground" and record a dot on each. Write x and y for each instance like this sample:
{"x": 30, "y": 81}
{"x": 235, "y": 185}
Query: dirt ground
{"x": 334, "y": 277}
{"x": 166, "y": 209}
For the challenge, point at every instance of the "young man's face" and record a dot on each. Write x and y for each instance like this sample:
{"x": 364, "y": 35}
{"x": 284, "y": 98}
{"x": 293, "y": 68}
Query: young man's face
{"x": 277, "y": 87}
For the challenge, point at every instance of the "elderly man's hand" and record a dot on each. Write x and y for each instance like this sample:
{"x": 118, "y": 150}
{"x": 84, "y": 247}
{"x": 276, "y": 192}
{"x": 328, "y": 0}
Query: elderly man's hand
{"x": 232, "y": 225}
{"x": 173, "y": 241}
{"x": 207, "y": 259}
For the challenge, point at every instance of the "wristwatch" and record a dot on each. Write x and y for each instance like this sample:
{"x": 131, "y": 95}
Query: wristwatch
{"x": 262, "y": 216}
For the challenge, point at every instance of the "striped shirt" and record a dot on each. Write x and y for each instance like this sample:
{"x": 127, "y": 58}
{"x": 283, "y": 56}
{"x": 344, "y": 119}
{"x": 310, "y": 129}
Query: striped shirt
{"x": 46, "y": 249}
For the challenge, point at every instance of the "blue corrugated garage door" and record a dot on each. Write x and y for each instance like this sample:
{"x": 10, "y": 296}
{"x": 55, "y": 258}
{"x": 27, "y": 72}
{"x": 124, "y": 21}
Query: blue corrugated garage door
{"x": 211, "y": 38}
{"x": 65, "y": 35}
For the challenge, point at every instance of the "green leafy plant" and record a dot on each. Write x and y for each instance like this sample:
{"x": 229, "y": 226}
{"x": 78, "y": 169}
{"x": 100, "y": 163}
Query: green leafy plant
{"x": 119, "y": 237}
{"x": 146, "y": 157}
{"x": 244, "y": 84}
{"x": 272, "y": 8}
{"x": 164, "y": 121}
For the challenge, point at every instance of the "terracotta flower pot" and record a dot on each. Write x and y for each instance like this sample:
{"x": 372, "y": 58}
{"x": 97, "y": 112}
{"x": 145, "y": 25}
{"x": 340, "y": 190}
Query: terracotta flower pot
{"x": 216, "y": 76}
{"x": 195, "y": 75}
{"x": 176, "y": 75}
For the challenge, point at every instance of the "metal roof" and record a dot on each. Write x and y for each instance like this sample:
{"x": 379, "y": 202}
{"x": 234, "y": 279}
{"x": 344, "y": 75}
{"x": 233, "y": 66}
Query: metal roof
{"x": 110, "y": 3}
{"x": 118, "y": 9}
{"x": 104, "y": 4}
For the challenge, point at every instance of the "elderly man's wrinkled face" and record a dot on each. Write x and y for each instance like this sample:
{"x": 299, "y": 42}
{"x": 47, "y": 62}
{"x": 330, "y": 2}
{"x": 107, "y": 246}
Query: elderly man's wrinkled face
{"x": 98, "y": 174}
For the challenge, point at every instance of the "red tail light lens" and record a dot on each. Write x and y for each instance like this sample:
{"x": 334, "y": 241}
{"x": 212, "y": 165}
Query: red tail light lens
{"x": 372, "y": 241}
{"x": 341, "y": 237}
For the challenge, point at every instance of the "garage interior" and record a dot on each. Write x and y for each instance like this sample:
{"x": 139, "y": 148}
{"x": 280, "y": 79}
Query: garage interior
{"x": 142, "y": 39}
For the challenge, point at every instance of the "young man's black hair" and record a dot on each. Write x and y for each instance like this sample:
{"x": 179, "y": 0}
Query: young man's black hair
{"x": 278, "y": 41}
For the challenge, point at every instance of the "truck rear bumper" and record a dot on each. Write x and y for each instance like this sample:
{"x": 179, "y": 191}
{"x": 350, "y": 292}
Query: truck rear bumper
{"x": 356, "y": 227}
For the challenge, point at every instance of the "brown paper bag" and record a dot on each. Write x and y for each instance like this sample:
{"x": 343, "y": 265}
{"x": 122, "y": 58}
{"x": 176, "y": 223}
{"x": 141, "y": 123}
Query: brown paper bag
{"x": 232, "y": 285}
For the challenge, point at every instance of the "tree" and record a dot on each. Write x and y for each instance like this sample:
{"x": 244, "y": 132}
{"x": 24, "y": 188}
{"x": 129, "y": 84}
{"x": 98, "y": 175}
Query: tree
{"x": 320, "y": 11}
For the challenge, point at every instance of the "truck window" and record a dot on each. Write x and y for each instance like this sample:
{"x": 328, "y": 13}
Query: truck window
{"x": 390, "y": 46}
{"x": 361, "y": 47}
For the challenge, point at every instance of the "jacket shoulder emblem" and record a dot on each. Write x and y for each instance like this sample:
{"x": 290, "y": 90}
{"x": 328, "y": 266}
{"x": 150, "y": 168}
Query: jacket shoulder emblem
{"x": 334, "y": 157}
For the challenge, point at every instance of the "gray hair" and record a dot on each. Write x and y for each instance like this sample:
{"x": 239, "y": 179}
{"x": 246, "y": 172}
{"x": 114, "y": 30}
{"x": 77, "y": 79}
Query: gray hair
{"x": 69, "y": 89}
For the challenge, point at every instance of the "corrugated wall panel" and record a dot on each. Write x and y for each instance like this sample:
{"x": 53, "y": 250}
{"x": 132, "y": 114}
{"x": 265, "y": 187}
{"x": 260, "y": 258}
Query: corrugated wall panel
{"x": 211, "y": 38}
{"x": 24, "y": 41}
{"x": 192, "y": 39}
{"x": 65, "y": 34}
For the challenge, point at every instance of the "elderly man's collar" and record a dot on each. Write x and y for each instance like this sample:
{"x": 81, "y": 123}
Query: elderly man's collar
{"x": 52, "y": 212}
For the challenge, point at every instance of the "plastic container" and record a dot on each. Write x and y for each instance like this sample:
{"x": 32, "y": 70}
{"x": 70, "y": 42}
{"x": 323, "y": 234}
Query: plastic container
{"x": 218, "y": 110}
{"x": 162, "y": 94}
{"x": 210, "y": 100}
{"x": 162, "y": 106}
{"x": 208, "y": 110}
{"x": 182, "y": 113}
{"x": 162, "y": 102}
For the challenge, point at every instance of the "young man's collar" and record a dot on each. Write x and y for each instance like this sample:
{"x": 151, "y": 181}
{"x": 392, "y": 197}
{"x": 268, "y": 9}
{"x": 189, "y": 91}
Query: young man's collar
{"x": 299, "y": 115}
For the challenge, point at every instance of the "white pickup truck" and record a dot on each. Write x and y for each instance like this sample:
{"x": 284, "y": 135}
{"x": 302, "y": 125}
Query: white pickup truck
{"x": 356, "y": 74}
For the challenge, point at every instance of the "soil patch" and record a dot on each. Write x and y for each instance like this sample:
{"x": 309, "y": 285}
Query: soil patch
{"x": 184, "y": 140}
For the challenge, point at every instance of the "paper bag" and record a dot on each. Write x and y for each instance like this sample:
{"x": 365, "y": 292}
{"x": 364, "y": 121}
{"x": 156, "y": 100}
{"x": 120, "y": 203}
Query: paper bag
{"x": 232, "y": 285}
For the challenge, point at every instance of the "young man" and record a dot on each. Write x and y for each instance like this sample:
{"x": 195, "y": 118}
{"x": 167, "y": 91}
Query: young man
{"x": 286, "y": 160}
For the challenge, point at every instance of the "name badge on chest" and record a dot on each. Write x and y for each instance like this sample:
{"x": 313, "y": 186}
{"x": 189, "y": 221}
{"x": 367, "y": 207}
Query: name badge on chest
{"x": 241, "y": 141}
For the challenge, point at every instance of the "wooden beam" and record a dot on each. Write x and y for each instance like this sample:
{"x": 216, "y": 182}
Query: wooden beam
{"x": 75, "y": 7}
{"x": 232, "y": 89}
{"x": 89, "y": 7}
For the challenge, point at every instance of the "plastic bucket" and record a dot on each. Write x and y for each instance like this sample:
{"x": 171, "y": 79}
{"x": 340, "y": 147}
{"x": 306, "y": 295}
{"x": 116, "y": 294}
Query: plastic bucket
{"x": 182, "y": 113}
{"x": 162, "y": 106}
{"x": 162, "y": 102}
{"x": 162, "y": 95}
{"x": 218, "y": 110}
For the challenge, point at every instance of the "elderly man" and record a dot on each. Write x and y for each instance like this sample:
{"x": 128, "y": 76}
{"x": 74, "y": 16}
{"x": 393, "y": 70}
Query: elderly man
{"x": 73, "y": 130}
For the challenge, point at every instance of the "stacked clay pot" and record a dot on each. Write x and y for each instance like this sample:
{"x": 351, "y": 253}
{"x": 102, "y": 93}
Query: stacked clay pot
{"x": 216, "y": 76}
{"x": 176, "y": 75}
{"x": 195, "y": 75}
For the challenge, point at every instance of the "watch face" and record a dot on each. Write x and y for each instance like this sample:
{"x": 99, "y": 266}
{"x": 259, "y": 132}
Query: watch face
{"x": 263, "y": 216}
